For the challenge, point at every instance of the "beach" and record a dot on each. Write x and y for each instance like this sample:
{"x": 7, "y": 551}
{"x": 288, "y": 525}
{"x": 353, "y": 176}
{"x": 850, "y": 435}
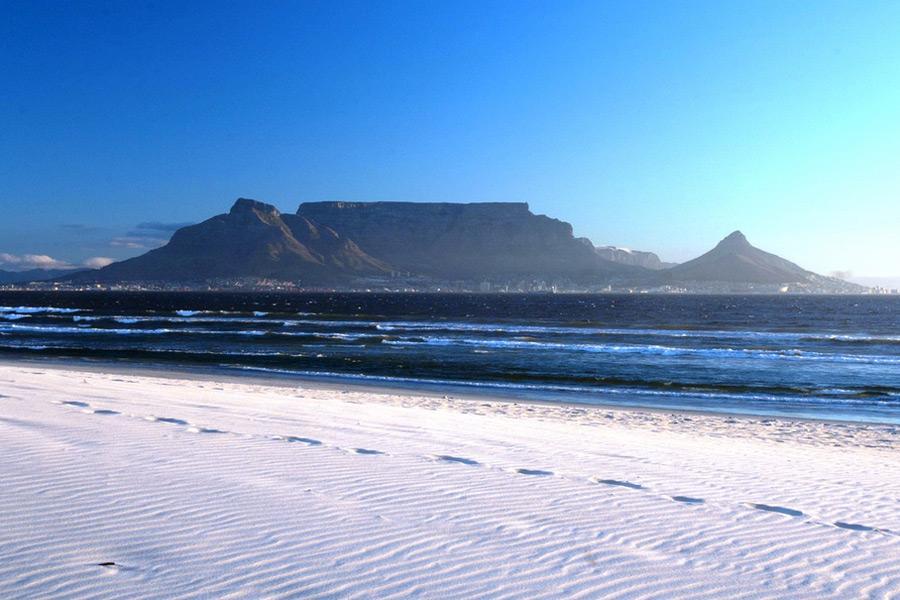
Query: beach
{"x": 125, "y": 485}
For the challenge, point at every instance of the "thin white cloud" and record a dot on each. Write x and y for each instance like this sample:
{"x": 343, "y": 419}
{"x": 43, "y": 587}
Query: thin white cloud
{"x": 22, "y": 262}
{"x": 136, "y": 242}
{"x": 167, "y": 228}
{"x": 98, "y": 262}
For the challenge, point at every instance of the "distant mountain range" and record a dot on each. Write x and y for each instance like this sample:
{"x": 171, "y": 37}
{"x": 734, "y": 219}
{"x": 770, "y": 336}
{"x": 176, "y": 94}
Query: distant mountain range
{"x": 11, "y": 277}
{"x": 636, "y": 258}
{"x": 421, "y": 245}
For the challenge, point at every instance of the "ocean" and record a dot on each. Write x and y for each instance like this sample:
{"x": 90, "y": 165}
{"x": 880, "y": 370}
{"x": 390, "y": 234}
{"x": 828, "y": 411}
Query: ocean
{"x": 827, "y": 357}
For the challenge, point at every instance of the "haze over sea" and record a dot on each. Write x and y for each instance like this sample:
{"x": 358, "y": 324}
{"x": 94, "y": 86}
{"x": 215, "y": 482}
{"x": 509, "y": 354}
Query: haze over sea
{"x": 830, "y": 357}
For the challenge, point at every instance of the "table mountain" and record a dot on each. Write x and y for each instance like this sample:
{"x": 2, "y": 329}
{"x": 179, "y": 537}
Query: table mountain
{"x": 479, "y": 241}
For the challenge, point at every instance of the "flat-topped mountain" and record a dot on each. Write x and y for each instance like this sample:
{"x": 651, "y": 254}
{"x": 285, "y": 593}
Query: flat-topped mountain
{"x": 466, "y": 241}
{"x": 338, "y": 242}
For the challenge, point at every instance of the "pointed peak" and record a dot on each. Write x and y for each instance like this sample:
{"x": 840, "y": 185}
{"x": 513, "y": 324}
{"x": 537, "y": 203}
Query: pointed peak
{"x": 244, "y": 205}
{"x": 734, "y": 240}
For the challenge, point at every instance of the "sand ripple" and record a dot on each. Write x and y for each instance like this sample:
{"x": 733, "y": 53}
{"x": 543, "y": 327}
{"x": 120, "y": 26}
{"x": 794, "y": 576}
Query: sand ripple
{"x": 117, "y": 486}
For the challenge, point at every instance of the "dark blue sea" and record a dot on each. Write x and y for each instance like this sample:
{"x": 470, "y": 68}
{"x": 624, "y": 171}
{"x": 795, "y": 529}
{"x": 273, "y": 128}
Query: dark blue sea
{"x": 831, "y": 357}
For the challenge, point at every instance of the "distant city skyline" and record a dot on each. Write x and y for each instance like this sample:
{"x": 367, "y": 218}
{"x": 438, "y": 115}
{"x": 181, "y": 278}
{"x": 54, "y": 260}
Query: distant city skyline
{"x": 654, "y": 126}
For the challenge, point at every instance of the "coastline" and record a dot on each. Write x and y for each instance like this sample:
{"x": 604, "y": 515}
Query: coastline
{"x": 732, "y": 355}
{"x": 202, "y": 487}
{"x": 375, "y": 390}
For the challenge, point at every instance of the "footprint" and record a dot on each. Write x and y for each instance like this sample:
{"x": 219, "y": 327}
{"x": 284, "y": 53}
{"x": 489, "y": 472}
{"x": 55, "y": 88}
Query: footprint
{"x": 853, "y": 526}
{"x": 533, "y": 472}
{"x": 688, "y": 499}
{"x": 303, "y": 440}
{"x": 367, "y": 451}
{"x": 171, "y": 420}
{"x": 76, "y": 403}
{"x": 777, "y": 509}
{"x": 204, "y": 430}
{"x": 458, "y": 459}
{"x": 616, "y": 482}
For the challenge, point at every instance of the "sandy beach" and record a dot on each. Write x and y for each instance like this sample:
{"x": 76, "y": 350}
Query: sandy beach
{"x": 117, "y": 486}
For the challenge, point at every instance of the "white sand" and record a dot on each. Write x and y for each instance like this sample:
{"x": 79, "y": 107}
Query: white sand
{"x": 203, "y": 489}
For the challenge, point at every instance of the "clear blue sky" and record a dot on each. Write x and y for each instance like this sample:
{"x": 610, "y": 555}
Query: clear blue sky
{"x": 652, "y": 125}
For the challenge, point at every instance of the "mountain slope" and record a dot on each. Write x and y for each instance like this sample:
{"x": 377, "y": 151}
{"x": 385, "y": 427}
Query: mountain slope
{"x": 647, "y": 260}
{"x": 492, "y": 241}
{"x": 252, "y": 240}
{"x": 331, "y": 248}
{"x": 735, "y": 261}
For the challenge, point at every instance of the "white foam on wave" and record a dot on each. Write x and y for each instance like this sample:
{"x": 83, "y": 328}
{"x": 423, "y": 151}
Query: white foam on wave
{"x": 86, "y": 329}
{"x": 193, "y": 313}
{"x": 624, "y": 331}
{"x": 489, "y": 327}
{"x": 736, "y": 403}
{"x": 38, "y": 309}
{"x": 198, "y": 319}
{"x": 13, "y": 316}
{"x": 649, "y": 349}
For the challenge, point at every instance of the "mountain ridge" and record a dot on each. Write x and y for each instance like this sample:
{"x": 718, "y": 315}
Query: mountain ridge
{"x": 476, "y": 245}
{"x": 252, "y": 240}
{"x": 481, "y": 240}
{"x": 637, "y": 258}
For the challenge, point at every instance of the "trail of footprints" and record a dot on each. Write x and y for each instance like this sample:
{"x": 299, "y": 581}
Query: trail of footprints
{"x": 468, "y": 462}
{"x": 87, "y": 408}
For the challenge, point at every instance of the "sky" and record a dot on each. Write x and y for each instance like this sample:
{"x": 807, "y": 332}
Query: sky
{"x": 659, "y": 126}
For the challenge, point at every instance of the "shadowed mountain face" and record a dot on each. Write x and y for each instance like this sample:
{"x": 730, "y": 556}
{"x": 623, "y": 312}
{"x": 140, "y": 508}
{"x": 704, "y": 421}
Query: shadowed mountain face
{"x": 494, "y": 241}
{"x": 636, "y": 258}
{"x": 735, "y": 260}
{"x": 252, "y": 240}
